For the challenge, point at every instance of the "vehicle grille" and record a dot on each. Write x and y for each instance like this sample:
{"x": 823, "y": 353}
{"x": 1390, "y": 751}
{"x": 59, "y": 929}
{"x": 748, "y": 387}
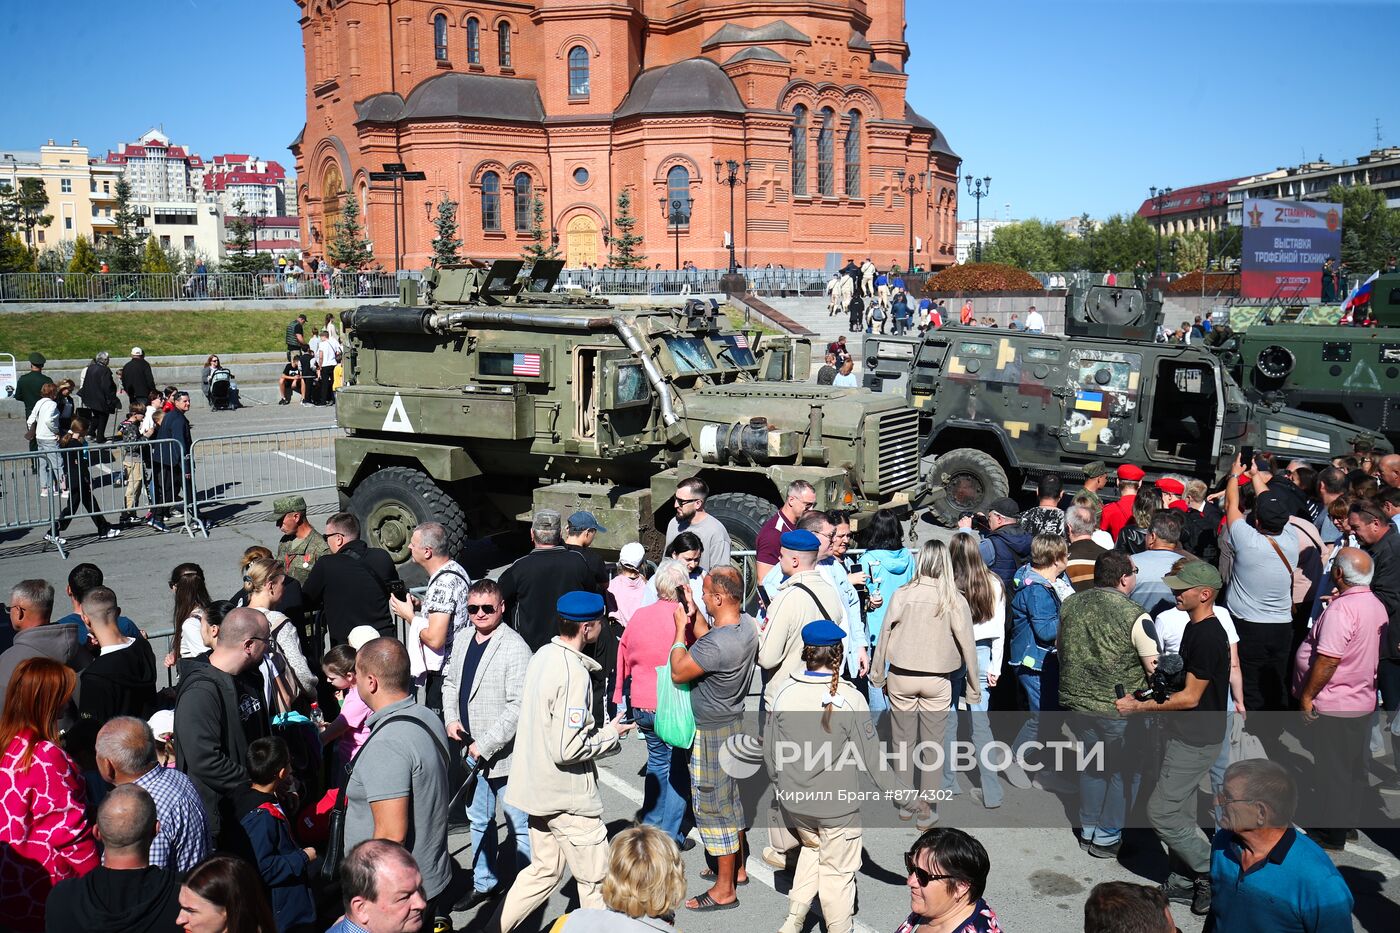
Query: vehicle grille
{"x": 898, "y": 444}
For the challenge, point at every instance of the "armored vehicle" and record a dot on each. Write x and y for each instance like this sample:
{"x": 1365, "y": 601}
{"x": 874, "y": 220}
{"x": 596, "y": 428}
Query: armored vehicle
{"x": 498, "y": 398}
{"x": 999, "y": 408}
{"x": 1350, "y": 373}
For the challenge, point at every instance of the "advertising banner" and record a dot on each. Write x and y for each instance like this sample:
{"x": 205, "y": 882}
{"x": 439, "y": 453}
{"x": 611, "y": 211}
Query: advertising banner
{"x": 1284, "y": 246}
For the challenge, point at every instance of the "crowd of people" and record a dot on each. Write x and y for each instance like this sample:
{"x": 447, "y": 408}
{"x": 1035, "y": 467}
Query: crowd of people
{"x": 329, "y": 728}
{"x": 312, "y": 357}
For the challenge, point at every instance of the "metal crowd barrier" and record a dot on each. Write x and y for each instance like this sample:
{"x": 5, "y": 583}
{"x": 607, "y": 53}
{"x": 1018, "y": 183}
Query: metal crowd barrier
{"x": 765, "y": 282}
{"x": 244, "y": 467}
{"x": 65, "y": 286}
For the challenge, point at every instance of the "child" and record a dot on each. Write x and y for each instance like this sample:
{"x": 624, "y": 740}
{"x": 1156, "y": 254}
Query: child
{"x": 629, "y": 586}
{"x": 280, "y": 861}
{"x": 351, "y": 726}
{"x": 129, "y": 432}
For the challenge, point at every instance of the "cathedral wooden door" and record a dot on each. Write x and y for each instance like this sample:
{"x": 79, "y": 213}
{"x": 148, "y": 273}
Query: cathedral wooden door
{"x": 581, "y": 248}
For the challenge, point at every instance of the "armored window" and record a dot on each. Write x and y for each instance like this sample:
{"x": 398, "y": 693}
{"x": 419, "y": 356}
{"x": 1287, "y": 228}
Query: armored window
{"x": 853, "y": 155}
{"x": 440, "y": 37}
{"x": 524, "y": 202}
{"x": 503, "y": 46}
{"x": 678, "y": 196}
{"x": 473, "y": 42}
{"x": 799, "y": 150}
{"x": 967, "y": 348}
{"x": 826, "y": 154}
{"x": 578, "y": 71}
{"x": 491, "y": 201}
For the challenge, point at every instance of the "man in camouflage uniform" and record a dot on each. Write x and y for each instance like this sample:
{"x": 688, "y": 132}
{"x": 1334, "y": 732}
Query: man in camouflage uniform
{"x": 1095, "y": 478}
{"x": 301, "y": 545}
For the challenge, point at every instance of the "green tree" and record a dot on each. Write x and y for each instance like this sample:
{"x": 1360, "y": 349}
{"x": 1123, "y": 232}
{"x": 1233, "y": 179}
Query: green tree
{"x": 539, "y": 247}
{"x": 1033, "y": 245}
{"x": 1370, "y": 229}
{"x": 153, "y": 260}
{"x": 446, "y": 244}
{"x": 625, "y": 241}
{"x": 23, "y": 207}
{"x": 1121, "y": 242}
{"x": 1192, "y": 250}
{"x": 84, "y": 261}
{"x": 15, "y": 256}
{"x": 241, "y": 255}
{"x": 124, "y": 247}
{"x": 348, "y": 247}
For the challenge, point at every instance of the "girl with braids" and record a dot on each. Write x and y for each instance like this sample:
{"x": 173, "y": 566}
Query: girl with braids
{"x": 824, "y": 715}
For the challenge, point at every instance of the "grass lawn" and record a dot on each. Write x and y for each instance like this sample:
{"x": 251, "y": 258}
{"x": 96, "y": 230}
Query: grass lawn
{"x": 79, "y": 335}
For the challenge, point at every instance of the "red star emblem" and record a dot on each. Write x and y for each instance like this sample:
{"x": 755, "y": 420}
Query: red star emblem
{"x": 1256, "y": 216}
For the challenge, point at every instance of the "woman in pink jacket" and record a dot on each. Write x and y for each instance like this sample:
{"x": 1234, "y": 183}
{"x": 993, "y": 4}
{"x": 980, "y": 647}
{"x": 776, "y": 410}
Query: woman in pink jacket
{"x": 44, "y": 834}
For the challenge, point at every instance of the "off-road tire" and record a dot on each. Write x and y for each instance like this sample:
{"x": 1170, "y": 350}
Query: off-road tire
{"x": 743, "y": 516}
{"x": 391, "y": 501}
{"x": 977, "y": 464}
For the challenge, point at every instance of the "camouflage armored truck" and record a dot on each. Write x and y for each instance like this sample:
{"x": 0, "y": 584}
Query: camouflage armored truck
{"x": 499, "y": 398}
{"x": 999, "y": 408}
{"x": 1350, "y": 373}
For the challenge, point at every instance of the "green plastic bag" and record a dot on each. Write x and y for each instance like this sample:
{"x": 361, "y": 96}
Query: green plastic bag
{"x": 675, "y": 720}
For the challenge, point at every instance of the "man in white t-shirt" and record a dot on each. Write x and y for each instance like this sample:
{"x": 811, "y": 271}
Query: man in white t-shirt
{"x": 1035, "y": 324}
{"x": 327, "y": 355}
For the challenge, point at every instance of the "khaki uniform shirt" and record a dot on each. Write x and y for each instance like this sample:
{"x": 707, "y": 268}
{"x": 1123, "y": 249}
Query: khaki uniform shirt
{"x": 299, "y": 555}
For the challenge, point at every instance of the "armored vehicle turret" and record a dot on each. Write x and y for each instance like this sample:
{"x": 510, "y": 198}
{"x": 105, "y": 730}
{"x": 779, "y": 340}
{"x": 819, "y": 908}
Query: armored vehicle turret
{"x": 999, "y": 408}
{"x": 499, "y": 397}
{"x": 1349, "y": 372}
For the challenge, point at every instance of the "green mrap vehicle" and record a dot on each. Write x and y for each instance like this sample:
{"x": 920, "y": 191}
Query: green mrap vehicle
{"x": 1350, "y": 373}
{"x": 999, "y": 408}
{"x": 498, "y": 398}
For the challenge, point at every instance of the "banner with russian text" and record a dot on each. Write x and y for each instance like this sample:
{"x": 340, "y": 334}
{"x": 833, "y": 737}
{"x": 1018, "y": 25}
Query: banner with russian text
{"x": 1284, "y": 246}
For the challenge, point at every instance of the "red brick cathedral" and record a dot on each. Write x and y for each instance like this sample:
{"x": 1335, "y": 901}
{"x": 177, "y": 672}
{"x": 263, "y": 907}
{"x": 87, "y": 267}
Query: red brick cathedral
{"x": 502, "y": 103}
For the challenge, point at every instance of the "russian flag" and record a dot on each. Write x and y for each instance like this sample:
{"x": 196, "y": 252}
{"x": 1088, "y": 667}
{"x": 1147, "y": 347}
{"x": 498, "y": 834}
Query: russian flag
{"x": 1360, "y": 295}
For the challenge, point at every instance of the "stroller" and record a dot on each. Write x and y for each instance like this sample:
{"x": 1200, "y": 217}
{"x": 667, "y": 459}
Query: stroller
{"x": 221, "y": 397}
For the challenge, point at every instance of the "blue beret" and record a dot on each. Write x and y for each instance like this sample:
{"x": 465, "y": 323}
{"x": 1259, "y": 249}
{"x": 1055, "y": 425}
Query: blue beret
{"x": 580, "y": 606}
{"x": 800, "y": 540}
{"x": 821, "y": 633}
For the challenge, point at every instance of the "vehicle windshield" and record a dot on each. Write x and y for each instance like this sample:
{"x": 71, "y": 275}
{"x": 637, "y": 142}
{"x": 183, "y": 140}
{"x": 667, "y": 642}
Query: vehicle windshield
{"x": 690, "y": 353}
{"x": 738, "y": 353}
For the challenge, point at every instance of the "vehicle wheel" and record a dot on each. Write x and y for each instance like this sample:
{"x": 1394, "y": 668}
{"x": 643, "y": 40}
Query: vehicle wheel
{"x": 392, "y": 501}
{"x": 743, "y": 516}
{"x": 971, "y": 478}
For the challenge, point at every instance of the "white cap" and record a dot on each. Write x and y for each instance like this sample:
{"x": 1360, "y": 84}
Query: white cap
{"x": 162, "y": 722}
{"x": 136, "y": 351}
{"x": 361, "y": 635}
{"x": 632, "y": 555}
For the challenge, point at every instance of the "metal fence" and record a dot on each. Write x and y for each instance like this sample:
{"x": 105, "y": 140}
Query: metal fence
{"x": 777, "y": 283}
{"x": 243, "y": 467}
{"x": 76, "y": 287}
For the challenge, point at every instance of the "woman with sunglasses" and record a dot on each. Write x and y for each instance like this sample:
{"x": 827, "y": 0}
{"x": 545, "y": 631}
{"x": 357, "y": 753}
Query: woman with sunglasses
{"x": 946, "y": 873}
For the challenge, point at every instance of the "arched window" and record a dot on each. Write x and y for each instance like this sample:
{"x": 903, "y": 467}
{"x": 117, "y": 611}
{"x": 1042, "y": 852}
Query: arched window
{"x": 826, "y": 154}
{"x": 678, "y": 195}
{"x": 440, "y": 37}
{"x": 853, "y": 155}
{"x": 473, "y": 41}
{"x": 524, "y": 203}
{"x": 578, "y": 71}
{"x": 491, "y": 201}
{"x": 503, "y": 31}
{"x": 799, "y": 151}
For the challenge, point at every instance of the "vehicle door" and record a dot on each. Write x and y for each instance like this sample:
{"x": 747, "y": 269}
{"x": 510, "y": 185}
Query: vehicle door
{"x": 1101, "y": 400}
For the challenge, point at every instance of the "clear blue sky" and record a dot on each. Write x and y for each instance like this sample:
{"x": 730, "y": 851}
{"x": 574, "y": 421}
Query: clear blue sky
{"x": 1069, "y": 105}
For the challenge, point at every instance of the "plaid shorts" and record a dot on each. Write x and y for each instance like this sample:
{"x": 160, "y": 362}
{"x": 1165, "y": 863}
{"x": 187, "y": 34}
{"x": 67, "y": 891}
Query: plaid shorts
{"x": 719, "y": 812}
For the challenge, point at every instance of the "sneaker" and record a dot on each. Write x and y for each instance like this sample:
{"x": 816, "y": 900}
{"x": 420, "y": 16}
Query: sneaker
{"x": 285, "y": 401}
{"x": 111, "y": 533}
{"x": 1100, "y": 851}
{"x": 44, "y": 494}
{"x": 773, "y": 858}
{"x": 157, "y": 524}
{"x": 1016, "y": 776}
{"x": 1391, "y": 786}
{"x": 1200, "y": 898}
{"x": 63, "y": 495}
{"x": 1179, "y": 891}
{"x": 55, "y": 539}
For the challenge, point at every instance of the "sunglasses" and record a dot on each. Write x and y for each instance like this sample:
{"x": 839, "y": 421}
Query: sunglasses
{"x": 679, "y": 501}
{"x": 920, "y": 875}
{"x": 473, "y": 608}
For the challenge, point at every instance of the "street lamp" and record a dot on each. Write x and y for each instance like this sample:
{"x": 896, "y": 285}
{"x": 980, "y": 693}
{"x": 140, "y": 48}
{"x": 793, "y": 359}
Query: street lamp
{"x": 980, "y": 190}
{"x": 1211, "y": 202}
{"x": 911, "y": 185}
{"x": 677, "y": 212}
{"x": 1159, "y": 198}
{"x": 396, "y": 173}
{"x": 727, "y": 173}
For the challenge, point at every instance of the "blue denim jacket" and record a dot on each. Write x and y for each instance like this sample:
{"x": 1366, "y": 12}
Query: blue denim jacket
{"x": 1035, "y": 621}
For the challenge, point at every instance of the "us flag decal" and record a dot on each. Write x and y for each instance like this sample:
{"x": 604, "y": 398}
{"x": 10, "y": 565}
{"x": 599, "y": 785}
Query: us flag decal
{"x": 525, "y": 364}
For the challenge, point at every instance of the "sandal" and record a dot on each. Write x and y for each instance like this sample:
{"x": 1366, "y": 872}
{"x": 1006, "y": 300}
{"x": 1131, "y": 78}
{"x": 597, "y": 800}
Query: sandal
{"x": 704, "y": 903}
{"x": 708, "y": 874}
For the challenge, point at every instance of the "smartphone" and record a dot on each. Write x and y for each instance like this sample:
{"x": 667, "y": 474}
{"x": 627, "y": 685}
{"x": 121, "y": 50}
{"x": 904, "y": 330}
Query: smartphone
{"x": 762, "y": 596}
{"x": 683, "y": 597}
{"x": 1247, "y": 456}
{"x": 1120, "y": 691}
{"x": 399, "y": 590}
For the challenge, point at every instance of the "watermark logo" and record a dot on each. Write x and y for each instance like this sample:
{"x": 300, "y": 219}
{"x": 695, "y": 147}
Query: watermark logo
{"x": 741, "y": 756}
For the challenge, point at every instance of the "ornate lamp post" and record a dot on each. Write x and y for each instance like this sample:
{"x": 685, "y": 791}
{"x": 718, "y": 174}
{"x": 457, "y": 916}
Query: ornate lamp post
{"x": 677, "y": 213}
{"x": 911, "y": 185}
{"x": 979, "y": 190}
{"x": 727, "y": 173}
{"x": 1159, "y": 198}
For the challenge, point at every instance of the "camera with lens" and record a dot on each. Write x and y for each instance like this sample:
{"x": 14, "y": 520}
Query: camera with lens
{"x": 1168, "y": 678}
{"x": 979, "y": 521}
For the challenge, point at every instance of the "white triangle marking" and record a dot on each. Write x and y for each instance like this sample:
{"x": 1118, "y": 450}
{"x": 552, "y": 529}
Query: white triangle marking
{"x": 397, "y": 417}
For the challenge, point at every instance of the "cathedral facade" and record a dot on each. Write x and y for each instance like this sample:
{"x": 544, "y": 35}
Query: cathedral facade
{"x": 535, "y": 115}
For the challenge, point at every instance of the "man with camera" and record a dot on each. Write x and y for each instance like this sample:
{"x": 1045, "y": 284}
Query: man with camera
{"x": 1193, "y": 735}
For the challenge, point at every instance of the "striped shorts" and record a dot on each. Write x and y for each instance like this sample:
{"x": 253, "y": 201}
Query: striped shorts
{"x": 719, "y": 812}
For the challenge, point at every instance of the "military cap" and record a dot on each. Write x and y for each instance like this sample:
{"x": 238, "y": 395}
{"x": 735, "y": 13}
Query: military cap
{"x": 1173, "y": 487}
{"x": 800, "y": 540}
{"x": 1095, "y": 469}
{"x": 821, "y": 633}
{"x": 581, "y": 606}
{"x": 1192, "y": 574}
{"x": 1127, "y": 473}
{"x": 286, "y": 505}
{"x": 37, "y": 359}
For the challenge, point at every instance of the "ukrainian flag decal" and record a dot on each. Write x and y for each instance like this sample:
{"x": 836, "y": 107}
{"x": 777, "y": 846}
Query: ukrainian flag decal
{"x": 1088, "y": 401}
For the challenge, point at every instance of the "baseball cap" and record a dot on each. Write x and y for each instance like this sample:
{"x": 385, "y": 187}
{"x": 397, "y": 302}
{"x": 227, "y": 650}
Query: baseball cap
{"x": 287, "y": 504}
{"x": 1005, "y": 506}
{"x": 585, "y": 521}
{"x": 162, "y": 722}
{"x": 1271, "y": 512}
{"x": 1192, "y": 574}
{"x": 137, "y": 351}
{"x": 632, "y": 555}
{"x": 361, "y": 635}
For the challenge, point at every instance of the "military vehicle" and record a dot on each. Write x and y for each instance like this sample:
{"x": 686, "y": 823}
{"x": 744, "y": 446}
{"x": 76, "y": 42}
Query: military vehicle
{"x": 498, "y": 398}
{"x": 1350, "y": 373}
{"x": 999, "y": 408}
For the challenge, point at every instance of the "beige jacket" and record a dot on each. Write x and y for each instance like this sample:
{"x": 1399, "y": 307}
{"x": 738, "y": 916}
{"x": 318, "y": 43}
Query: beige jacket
{"x": 557, "y": 740}
{"x": 780, "y": 642}
{"x": 917, "y": 639}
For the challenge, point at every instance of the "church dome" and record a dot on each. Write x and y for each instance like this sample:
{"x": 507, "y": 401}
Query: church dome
{"x": 696, "y": 85}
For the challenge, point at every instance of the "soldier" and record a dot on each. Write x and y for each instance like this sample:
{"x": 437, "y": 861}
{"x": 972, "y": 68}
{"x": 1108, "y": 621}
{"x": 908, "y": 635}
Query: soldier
{"x": 1117, "y": 514}
{"x": 300, "y": 545}
{"x": 1095, "y": 478}
{"x": 28, "y": 386}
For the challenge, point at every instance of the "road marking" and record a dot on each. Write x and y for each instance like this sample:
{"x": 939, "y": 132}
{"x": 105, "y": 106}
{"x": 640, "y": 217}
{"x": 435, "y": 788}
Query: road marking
{"x": 315, "y": 466}
{"x": 756, "y": 867}
{"x": 1385, "y": 863}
